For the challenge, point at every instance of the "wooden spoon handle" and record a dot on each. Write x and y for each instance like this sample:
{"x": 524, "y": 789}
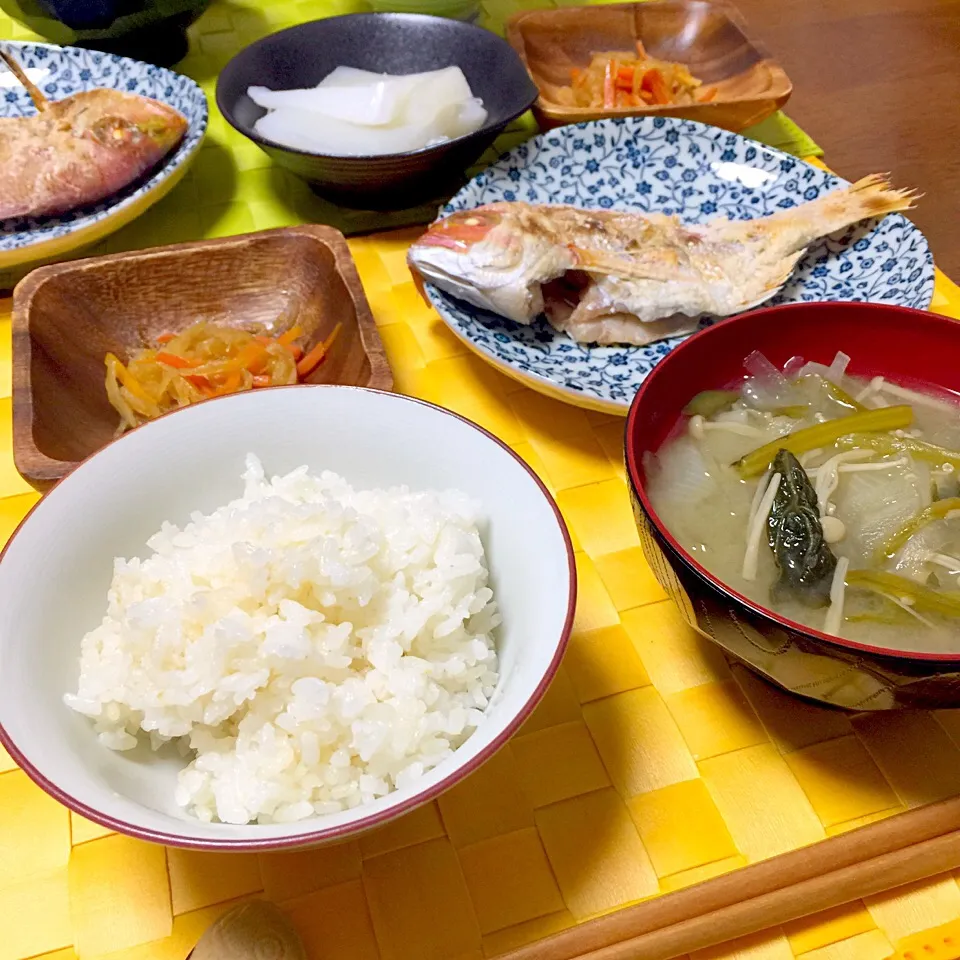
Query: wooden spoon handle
{"x": 256, "y": 930}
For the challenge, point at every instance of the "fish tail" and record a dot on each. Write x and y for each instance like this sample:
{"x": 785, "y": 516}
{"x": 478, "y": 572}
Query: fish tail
{"x": 798, "y": 227}
{"x": 870, "y": 197}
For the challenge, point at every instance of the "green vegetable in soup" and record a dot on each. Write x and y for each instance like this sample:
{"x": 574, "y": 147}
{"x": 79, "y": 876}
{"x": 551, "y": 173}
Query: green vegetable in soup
{"x": 824, "y": 435}
{"x": 936, "y": 511}
{"x": 795, "y": 535}
{"x": 890, "y": 446}
{"x": 709, "y": 403}
{"x": 943, "y": 603}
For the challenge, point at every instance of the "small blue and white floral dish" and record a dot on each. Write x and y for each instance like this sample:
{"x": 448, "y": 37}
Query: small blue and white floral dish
{"x": 60, "y": 72}
{"x": 696, "y": 172}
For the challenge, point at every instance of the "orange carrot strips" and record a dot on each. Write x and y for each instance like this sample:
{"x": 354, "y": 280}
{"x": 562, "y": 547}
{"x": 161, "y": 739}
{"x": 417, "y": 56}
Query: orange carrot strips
{"x": 654, "y": 82}
{"x": 180, "y": 363}
{"x": 292, "y": 334}
{"x": 317, "y": 355}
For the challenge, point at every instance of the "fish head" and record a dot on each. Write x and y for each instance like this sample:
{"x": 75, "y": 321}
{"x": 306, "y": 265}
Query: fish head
{"x": 463, "y": 230}
{"x": 486, "y": 257}
{"x": 132, "y": 123}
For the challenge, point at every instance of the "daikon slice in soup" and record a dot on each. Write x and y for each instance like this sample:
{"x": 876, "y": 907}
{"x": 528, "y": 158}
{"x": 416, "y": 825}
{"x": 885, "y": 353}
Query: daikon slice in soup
{"x": 831, "y": 500}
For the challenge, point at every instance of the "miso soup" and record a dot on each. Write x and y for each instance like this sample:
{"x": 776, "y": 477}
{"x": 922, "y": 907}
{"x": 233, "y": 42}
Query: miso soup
{"x": 831, "y": 500}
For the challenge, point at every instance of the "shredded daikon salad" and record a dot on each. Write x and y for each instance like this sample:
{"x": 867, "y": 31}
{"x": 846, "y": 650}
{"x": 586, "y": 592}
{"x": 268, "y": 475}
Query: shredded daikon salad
{"x": 206, "y": 360}
{"x": 633, "y": 79}
{"x": 830, "y": 499}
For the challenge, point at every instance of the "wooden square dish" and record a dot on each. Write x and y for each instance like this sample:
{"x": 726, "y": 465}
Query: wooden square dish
{"x": 709, "y": 38}
{"x": 67, "y": 317}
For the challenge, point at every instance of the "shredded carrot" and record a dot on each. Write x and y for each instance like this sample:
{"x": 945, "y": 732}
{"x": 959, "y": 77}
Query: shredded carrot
{"x": 627, "y": 79}
{"x": 180, "y": 363}
{"x": 654, "y": 82}
{"x": 206, "y": 360}
{"x": 317, "y": 355}
{"x": 292, "y": 334}
{"x": 231, "y": 384}
{"x": 707, "y": 95}
{"x": 251, "y": 357}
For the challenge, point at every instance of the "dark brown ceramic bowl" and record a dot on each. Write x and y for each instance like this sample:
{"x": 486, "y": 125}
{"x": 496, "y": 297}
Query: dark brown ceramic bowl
{"x": 394, "y": 43}
{"x": 901, "y": 344}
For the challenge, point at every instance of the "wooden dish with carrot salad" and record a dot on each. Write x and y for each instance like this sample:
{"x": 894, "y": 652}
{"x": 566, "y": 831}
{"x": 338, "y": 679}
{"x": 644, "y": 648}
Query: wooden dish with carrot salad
{"x": 206, "y": 360}
{"x": 633, "y": 79}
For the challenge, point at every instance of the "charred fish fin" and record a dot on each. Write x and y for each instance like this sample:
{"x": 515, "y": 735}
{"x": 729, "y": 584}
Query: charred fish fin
{"x": 795, "y": 535}
{"x": 39, "y": 100}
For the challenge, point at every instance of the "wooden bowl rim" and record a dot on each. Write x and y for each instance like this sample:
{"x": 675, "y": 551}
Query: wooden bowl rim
{"x": 41, "y": 471}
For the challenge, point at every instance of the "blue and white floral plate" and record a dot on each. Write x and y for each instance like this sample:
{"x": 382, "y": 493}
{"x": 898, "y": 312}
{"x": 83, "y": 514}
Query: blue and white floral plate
{"x": 674, "y": 167}
{"x": 60, "y": 72}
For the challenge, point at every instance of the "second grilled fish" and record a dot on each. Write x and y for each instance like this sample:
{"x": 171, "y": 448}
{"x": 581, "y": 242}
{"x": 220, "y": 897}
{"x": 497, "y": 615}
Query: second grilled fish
{"x": 79, "y": 150}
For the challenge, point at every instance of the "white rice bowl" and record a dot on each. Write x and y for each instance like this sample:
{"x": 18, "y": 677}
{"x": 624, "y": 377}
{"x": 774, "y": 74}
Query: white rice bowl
{"x": 315, "y": 647}
{"x": 59, "y": 567}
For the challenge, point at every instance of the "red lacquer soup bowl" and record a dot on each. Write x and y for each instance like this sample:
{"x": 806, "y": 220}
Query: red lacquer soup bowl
{"x": 903, "y": 345}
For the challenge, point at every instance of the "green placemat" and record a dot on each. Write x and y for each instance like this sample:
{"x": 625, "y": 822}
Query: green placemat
{"x": 233, "y": 187}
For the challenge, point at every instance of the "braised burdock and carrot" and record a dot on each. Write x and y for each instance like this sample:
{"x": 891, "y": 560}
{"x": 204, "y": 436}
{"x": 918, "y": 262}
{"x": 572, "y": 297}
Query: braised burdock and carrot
{"x": 207, "y": 360}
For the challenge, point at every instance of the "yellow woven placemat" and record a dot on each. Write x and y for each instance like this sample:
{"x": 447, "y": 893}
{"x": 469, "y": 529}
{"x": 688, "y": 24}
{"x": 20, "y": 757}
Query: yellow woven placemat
{"x": 650, "y": 765}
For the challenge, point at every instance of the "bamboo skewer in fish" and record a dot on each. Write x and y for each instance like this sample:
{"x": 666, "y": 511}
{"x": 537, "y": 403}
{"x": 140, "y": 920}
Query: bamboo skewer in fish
{"x": 39, "y": 100}
{"x": 80, "y": 150}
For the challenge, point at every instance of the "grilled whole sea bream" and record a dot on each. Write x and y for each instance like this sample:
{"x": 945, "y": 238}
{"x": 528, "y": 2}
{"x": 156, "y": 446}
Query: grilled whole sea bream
{"x": 606, "y": 276}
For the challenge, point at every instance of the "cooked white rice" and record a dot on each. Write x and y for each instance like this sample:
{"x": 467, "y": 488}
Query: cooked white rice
{"x": 314, "y": 646}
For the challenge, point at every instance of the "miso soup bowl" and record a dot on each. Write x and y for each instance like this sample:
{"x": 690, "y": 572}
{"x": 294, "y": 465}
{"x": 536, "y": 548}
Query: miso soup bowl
{"x": 903, "y": 345}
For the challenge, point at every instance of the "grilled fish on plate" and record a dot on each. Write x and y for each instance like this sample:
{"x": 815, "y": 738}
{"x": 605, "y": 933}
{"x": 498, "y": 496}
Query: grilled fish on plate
{"x": 612, "y": 277}
{"x": 79, "y": 150}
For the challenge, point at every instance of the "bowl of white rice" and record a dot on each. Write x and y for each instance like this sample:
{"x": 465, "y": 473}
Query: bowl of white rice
{"x": 279, "y": 618}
